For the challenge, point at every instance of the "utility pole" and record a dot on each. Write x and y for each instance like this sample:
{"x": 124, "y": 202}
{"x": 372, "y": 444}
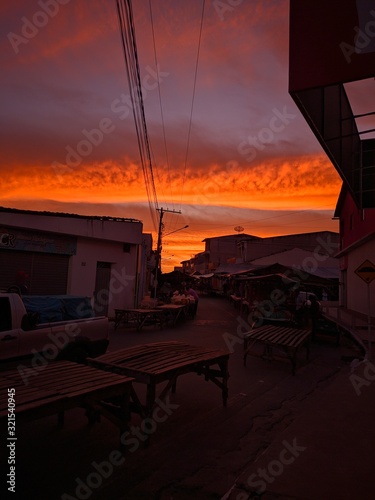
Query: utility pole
{"x": 161, "y": 211}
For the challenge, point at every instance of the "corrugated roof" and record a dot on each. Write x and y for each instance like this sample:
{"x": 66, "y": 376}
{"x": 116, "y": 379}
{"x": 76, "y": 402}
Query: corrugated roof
{"x": 236, "y": 268}
{"x": 297, "y": 258}
{"x": 63, "y": 214}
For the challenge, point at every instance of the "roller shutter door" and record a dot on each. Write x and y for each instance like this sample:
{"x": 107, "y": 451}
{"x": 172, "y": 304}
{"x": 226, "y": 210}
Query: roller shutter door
{"x": 47, "y": 273}
{"x": 11, "y": 263}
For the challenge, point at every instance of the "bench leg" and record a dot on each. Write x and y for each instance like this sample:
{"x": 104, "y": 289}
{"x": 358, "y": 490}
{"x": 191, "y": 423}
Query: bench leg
{"x": 61, "y": 418}
{"x": 174, "y": 386}
{"x": 245, "y": 357}
{"x": 218, "y": 377}
{"x": 225, "y": 372}
{"x": 150, "y": 398}
{"x": 247, "y": 349}
{"x": 294, "y": 363}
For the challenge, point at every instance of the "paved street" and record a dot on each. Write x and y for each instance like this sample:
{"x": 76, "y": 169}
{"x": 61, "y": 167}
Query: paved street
{"x": 310, "y": 436}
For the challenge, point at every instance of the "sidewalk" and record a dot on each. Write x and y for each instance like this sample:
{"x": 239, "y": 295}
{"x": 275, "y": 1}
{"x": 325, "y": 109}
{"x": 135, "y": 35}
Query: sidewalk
{"x": 327, "y": 452}
{"x": 355, "y": 323}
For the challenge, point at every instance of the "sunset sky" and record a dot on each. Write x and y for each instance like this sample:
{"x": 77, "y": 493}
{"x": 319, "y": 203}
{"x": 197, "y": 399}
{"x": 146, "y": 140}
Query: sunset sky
{"x": 251, "y": 160}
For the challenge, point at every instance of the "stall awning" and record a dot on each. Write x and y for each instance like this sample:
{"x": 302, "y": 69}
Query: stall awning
{"x": 203, "y": 276}
{"x": 285, "y": 279}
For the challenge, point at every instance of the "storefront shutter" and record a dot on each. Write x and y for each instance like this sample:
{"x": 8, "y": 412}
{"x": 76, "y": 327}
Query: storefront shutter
{"x": 46, "y": 274}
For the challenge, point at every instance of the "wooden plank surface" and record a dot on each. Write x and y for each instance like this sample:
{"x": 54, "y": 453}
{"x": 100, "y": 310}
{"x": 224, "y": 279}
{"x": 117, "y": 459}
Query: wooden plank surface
{"x": 58, "y": 385}
{"x": 138, "y": 317}
{"x": 278, "y": 335}
{"x": 287, "y": 339}
{"x": 160, "y": 357}
{"x": 158, "y": 362}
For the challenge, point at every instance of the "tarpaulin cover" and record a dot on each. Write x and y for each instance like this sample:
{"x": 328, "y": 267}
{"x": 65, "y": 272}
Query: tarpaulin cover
{"x": 52, "y": 308}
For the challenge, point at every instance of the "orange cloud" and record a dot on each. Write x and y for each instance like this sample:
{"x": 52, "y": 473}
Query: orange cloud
{"x": 298, "y": 182}
{"x": 65, "y": 79}
{"x": 283, "y": 184}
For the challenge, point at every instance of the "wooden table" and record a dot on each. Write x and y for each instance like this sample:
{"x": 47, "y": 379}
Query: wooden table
{"x": 139, "y": 317}
{"x": 177, "y": 312}
{"x": 62, "y": 385}
{"x": 284, "y": 339}
{"x": 158, "y": 362}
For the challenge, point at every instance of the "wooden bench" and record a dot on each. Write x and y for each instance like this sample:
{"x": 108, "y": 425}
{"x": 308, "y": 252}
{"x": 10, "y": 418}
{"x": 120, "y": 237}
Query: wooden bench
{"x": 139, "y": 317}
{"x": 158, "y": 362}
{"x": 62, "y": 385}
{"x": 287, "y": 340}
{"x": 175, "y": 313}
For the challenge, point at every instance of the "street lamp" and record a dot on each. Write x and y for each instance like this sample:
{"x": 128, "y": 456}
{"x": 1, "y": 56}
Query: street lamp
{"x": 175, "y": 231}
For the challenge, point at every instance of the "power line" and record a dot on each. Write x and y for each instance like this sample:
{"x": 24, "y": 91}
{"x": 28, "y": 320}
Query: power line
{"x": 160, "y": 100}
{"x": 192, "y": 102}
{"x": 193, "y": 97}
{"x": 128, "y": 38}
{"x": 250, "y": 221}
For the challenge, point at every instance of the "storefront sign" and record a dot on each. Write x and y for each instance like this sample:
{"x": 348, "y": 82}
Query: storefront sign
{"x": 31, "y": 241}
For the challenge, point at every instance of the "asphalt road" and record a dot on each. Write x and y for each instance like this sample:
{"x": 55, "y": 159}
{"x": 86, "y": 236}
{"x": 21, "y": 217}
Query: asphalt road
{"x": 200, "y": 450}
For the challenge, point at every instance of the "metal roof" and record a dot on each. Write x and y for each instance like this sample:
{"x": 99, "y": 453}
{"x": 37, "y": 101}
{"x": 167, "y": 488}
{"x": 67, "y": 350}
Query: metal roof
{"x": 63, "y": 214}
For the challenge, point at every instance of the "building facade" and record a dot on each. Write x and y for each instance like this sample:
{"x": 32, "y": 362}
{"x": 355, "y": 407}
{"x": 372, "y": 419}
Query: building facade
{"x": 45, "y": 253}
{"x": 340, "y": 115}
{"x": 243, "y": 248}
{"x": 320, "y": 242}
{"x": 218, "y": 250}
{"x": 357, "y": 246}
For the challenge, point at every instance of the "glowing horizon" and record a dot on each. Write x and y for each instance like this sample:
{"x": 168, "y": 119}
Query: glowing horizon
{"x": 69, "y": 142}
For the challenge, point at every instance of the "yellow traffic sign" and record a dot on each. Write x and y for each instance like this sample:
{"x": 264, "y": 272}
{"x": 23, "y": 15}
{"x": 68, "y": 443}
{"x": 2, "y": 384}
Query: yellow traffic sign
{"x": 366, "y": 271}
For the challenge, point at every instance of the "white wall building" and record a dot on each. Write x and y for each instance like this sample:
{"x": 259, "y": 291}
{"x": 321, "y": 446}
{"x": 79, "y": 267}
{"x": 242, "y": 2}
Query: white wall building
{"x": 54, "y": 253}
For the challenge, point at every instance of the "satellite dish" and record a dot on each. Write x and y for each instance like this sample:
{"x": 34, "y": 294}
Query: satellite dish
{"x": 239, "y": 229}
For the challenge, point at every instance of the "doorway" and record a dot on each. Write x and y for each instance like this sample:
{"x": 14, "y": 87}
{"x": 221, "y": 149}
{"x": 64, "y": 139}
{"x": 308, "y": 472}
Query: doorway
{"x": 102, "y": 292}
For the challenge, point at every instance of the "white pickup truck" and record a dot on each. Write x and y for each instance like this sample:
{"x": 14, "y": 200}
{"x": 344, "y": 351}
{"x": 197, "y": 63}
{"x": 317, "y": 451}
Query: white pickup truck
{"x": 20, "y": 336}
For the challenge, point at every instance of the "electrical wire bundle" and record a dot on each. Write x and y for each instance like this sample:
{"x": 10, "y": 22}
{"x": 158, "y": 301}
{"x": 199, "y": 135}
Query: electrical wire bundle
{"x": 125, "y": 14}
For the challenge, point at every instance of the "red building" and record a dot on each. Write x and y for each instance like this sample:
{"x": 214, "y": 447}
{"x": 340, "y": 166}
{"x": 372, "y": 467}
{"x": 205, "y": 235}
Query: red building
{"x": 332, "y": 60}
{"x": 357, "y": 245}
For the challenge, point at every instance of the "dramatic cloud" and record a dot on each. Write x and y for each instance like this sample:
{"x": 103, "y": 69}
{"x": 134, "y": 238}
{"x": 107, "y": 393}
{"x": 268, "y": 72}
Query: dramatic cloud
{"x": 237, "y": 153}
